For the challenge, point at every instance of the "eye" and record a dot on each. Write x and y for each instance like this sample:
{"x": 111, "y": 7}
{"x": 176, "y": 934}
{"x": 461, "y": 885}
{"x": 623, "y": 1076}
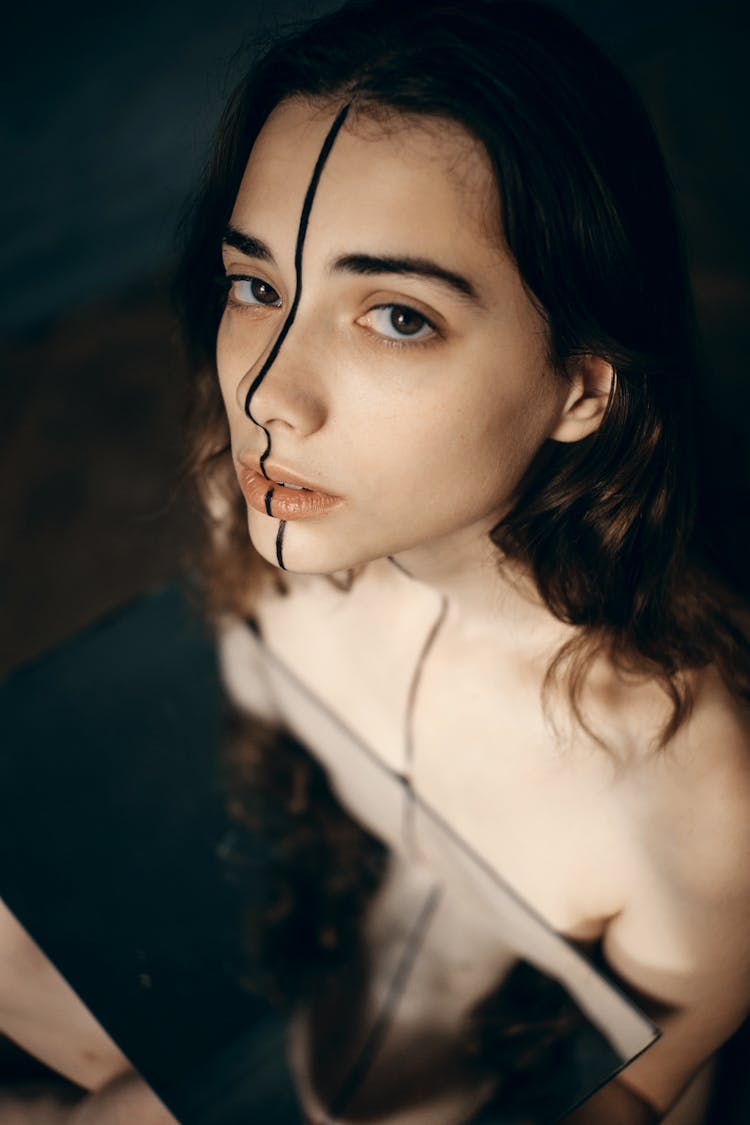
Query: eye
{"x": 245, "y": 290}
{"x": 400, "y": 322}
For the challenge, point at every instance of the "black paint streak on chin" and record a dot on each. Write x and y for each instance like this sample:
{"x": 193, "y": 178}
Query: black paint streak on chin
{"x": 268, "y": 499}
{"x": 280, "y": 544}
{"x": 301, "y": 232}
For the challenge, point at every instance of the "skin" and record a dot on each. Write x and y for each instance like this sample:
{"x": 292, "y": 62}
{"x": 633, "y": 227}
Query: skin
{"x": 41, "y": 1013}
{"x": 425, "y": 446}
{"x": 443, "y": 450}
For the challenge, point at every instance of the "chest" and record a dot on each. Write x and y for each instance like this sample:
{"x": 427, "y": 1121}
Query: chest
{"x": 428, "y": 734}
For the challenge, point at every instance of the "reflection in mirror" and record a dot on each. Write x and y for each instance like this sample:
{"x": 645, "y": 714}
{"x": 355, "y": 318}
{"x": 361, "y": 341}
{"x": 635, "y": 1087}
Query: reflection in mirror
{"x": 421, "y": 987}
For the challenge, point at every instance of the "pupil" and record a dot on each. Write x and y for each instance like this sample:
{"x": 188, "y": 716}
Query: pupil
{"x": 405, "y": 321}
{"x": 262, "y": 292}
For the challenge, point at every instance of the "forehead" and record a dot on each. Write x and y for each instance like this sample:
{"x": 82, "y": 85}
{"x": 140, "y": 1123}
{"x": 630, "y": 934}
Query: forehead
{"x": 416, "y": 182}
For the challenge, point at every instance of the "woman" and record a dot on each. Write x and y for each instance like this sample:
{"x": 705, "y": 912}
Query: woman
{"x": 455, "y": 388}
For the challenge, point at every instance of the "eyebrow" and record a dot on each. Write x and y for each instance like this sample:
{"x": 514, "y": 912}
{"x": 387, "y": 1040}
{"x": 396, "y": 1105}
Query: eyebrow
{"x": 247, "y": 244}
{"x": 364, "y": 264}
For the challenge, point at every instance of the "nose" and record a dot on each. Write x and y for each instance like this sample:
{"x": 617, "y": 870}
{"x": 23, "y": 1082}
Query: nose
{"x": 288, "y": 393}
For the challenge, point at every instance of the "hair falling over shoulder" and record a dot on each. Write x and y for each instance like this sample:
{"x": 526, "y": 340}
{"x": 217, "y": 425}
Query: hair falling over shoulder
{"x": 606, "y": 527}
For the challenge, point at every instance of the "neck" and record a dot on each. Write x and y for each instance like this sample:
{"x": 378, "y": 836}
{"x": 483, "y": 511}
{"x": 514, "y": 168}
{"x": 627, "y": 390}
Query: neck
{"x": 482, "y": 588}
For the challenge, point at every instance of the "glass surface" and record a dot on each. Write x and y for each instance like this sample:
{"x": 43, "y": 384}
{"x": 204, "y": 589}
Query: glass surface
{"x": 249, "y": 962}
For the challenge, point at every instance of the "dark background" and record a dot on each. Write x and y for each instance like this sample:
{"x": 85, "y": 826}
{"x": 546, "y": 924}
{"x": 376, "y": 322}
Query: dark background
{"x": 107, "y": 114}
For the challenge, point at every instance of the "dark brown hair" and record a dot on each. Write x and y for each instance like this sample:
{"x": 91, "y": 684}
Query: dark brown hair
{"x": 606, "y": 526}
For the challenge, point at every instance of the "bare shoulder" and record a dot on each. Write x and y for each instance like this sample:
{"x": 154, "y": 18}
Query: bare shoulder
{"x": 714, "y": 752}
{"x": 693, "y": 795}
{"x": 681, "y": 937}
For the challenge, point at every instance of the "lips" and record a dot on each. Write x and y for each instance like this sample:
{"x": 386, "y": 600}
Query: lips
{"x": 286, "y": 495}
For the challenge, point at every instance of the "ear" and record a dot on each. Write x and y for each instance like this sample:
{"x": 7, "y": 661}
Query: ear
{"x": 591, "y": 379}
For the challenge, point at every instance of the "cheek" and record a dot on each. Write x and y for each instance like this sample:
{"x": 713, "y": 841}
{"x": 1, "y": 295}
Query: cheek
{"x": 475, "y": 434}
{"x": 230, "y": 373}
{"x": 518, "y": 411}
{"x": 231, "y": 409}
{"x": 470, "y": 450}
{"x": 223, "y": 366}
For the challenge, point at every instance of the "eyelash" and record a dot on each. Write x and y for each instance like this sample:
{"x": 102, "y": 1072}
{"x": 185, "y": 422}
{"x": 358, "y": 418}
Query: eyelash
{"x": 225, "y": 282}
{"x": 407, "y": 341}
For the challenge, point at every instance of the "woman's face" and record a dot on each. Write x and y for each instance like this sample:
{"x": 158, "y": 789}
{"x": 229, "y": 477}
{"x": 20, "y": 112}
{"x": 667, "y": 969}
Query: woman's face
{"x": 412, "y": 388}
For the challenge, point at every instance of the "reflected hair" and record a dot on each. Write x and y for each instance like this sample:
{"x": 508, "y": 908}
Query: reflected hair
{"x": 606, "y": 526}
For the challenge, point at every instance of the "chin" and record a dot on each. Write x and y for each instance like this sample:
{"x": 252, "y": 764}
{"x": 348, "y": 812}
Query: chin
{"x": 303, "y": 549}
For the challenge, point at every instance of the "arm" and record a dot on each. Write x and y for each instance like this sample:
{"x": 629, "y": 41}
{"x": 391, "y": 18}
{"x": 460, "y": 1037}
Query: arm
{"x": 42, "y": 1014}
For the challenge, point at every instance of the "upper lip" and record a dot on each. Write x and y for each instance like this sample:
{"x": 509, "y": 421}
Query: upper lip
{"x": 278, "y": 474}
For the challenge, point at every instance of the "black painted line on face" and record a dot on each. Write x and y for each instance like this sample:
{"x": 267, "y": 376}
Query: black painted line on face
{"x": 280, "y": 544}
{"x": 267, "y": 450}
{"x": 301, "y": 232}
{"x": 399, "y": 982}
{"x": 267, "y": 502}
{"x": 312, "y": 188}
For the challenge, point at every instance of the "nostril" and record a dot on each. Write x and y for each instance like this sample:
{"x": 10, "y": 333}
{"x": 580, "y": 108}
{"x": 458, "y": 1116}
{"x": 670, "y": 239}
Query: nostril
{"x": 287, "y": 398}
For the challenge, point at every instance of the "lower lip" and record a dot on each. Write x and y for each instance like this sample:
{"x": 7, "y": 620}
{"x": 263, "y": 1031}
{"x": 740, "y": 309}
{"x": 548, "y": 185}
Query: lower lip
{"x": 286, "y": 503}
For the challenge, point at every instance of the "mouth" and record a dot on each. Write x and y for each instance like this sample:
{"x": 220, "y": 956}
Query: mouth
{"x": 283, "y": 494}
